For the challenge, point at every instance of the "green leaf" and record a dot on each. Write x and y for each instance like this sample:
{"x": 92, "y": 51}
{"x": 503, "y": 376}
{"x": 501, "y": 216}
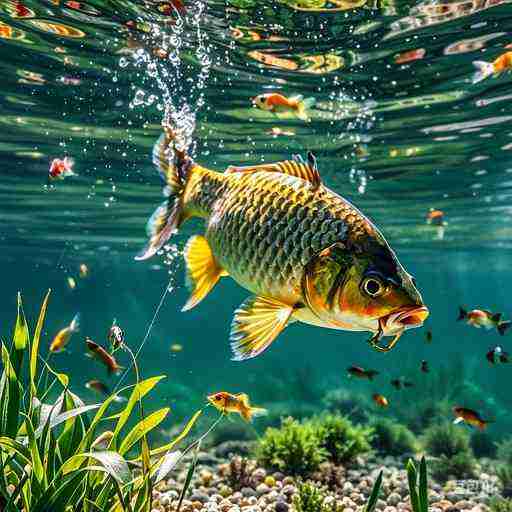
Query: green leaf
{"x": 11, "y": 445}
{"x": 142, "y": 428}
{"x": 34, "y": 352}
{"x": 139, "y": 391}
{"x": 61, "y": 497}
{"x": 167, "y": 464}
{"x": 61, "y": 418}
{"x": 10, "y": 397}
{"x": 423, "y": 484}
{"x": 113, "y": 463}
{"x": 169, "y": 446}
{"x": 374, "y": 496}
{"x": 188, "y": 480}
{"x": 61, "y": 377}
{"x": 412, "y": 479}
{"x": 35, "y": 456}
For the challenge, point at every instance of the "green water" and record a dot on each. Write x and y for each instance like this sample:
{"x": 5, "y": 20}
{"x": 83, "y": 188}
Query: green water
{"x": 395, "y": 138}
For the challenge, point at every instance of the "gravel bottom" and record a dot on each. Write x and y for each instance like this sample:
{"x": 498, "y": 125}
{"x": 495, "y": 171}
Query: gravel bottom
{"x": 221, "y": 484}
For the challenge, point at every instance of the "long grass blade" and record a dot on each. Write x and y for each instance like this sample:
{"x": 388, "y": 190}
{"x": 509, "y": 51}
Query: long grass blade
{"x": 113, "y": 463}
{"x": 188, "y": 480}
{"x": 423, "y": 486}
{"x": 166, "y": 465}
{"x": 35, "y": 344}
{"x": 412, "y": 478}
{"x": 374, "y": 496}
{"x": 61, "y": 418}
{"x": 142, "y": 428}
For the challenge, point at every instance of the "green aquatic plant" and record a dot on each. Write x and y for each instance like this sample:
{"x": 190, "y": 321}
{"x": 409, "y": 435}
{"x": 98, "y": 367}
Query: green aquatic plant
{"x": 482, "y": 444}
{"x": 497, "y": 504}
{"x": 294, "y": 447}
{"x": 450, "y": 445}
{"x": 342, "y": 440}
{"x": 418, "y": 485}
{"x": 309, "y": 498}
{"x": 504, "y": 451}
{"x": 504, "y": 473}
{"x": 391, "y": 437}
{"x": 350, "y": 404}
{"x": 49, "y": 456}
{"x": 445, "y": 439}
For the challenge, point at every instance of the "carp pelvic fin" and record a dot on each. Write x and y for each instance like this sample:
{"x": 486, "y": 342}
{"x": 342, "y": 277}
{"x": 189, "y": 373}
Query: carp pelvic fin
{"x": 256, "y": 324}
{"x": 296, "y": 167}
{"x": 203, "y": 271}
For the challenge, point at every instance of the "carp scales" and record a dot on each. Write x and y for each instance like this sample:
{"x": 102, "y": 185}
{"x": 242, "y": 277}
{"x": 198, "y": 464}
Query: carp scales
{"x": 306, "y": 254}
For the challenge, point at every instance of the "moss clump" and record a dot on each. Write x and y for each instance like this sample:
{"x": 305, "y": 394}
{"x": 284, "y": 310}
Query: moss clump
{"x": 504, "y": 451}
{"x": 446, "y": 439}
{"x": 504, "y": 473}
{"x": 341, "y": 438}
{"x": 482, "y": 444}
{"x": 451, "y": 447}
{"x": 310, "y": 498}
{"x": 294, "y": 448}
{"x": 392, "y": 438}
{"x": 500, "y": 504}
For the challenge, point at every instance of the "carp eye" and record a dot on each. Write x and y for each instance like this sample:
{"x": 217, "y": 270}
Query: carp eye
{"x": 373, "y": 286}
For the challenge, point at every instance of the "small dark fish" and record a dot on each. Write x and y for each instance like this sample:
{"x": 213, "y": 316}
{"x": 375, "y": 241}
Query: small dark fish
{"x": 401, "y": 383}
{"x": 407, "y": 384}
{"x": 497, "y": 354}
{"x": 98, "y": 352}
{"x": 428, "y": 336}
{"x": 424, "y": 366}
{"x": 361, "y": 373}
{"x": 115, "y": 336}
{"x": 102, "y": 389}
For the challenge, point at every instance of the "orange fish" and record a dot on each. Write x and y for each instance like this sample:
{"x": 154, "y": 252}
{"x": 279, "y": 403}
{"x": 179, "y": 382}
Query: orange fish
{"x": 227, "y": 402}
{"x": 470, "y": 417}
{"x": 435, "y": 217}
{"x": 98, "y": 352}
{"x": 486, "y": 69}
{"x": 410, "y": 56}
{"x": 277, "y": 103}
{"x": 380, "y": 400}
{"x": 275, "y": 131}
{"x": 64, "y": 335}
{"x": 60, "y": 169}
{"x": 483, "y": 318}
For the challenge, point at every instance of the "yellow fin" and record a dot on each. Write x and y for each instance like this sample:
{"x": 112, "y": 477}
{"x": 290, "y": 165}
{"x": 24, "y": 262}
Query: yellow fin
{"x": 297, "y": 167}
{"x": 203, "y": 271}
{"x": 256, "y": 324}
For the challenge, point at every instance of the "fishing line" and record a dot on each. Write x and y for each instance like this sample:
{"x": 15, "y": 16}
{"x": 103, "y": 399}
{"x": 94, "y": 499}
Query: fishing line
{"x": 148, "y": 332}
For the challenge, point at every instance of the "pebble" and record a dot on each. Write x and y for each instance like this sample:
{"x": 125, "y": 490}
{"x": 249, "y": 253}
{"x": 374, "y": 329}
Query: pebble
{"x": 288, "y": 480}
{"x": 389, "y": 509}
{"x": 248, "y": 491}
{"x": 270, "y": 481}
{"x": 278, "y": 476}
{"x": 289, "y": 489}
{"x": 197, "y": 496}
{"x": 347, "y": 488}
{"x": 259, "y": 475}
{"x": 394, "y": 499}
{"x": 463, "y": 505}
{"x": 262, "y": 489}
{"x": 282, "y": 506}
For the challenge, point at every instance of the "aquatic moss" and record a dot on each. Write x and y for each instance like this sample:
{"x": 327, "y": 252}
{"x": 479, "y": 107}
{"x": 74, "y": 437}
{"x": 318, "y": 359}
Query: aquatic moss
{"x": 504, "y": 451}
{"x": 391, "y": 437}
{"x": 445, "y": 439}
{"x": 504, "y": 473}
{"x": 497, "y": 504}
{"x": 294, "y": 448}
{"x": 312, "y": 498}
{"x": 342, "y": 439}
{"x": 239, "y": 473}
{"x": 482, "y": 444}
{"x": 460, "y": 466}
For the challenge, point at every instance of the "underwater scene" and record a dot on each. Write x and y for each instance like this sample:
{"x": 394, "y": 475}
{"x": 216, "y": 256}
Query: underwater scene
{"x": 256, "y": 255}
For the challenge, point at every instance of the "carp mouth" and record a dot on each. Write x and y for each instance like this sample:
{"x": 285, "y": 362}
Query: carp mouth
{"x": 395, "y": 324}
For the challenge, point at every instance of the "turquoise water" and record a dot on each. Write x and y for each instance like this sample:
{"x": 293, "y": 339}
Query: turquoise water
{"x": 396, "y": 138}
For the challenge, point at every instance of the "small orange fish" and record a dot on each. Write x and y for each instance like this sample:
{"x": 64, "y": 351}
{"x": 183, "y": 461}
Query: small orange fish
{"x": 277, "y": 103}
{"x": 71, "y": 282}
{"x": 470, "y": 417}
{"x": 486, "y": 69}
{"x": 84, "y": 270}
{"x": 102, "y": 389}
{"x": 98, "y": 352}
{"x": 227, "y": 403}
{"x": 411, "y": 55}
{"x": 64, "y": 335}
{"x": 276, "y": 132}
{"x": 435, "y": 217}
{"x": 380, "y": 400}
{"x": 483, "y": 318}
{"x": 60, "y": 169}
{"x": 361, "y": 373}
{"x": 176, "y": 347}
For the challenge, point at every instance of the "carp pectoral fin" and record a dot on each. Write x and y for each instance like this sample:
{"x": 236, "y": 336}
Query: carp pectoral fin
{"x": 307, "y": 171}
{"x": 256, "y": 324}
{"x": 203, "y": 271}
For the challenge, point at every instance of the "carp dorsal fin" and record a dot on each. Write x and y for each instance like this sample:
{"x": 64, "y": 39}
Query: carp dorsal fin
{"x": 203, "y": 271}
{"x": 297, "y": 167}
{"x": 256, "y": 324}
